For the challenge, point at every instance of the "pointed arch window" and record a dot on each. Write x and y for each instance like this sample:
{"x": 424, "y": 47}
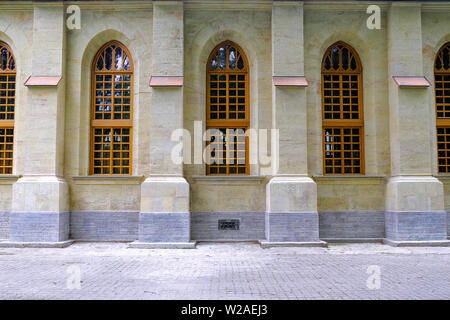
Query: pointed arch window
{"x": 442, "y": 100}
{"x": 7, "y": 107}
{"x": 112, "y": 110}
{"x": 227, "y": 110}
{"x": 342, "y": 111}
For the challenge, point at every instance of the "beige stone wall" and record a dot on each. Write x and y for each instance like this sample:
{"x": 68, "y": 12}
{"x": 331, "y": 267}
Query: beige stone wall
{"x": 132, "y": 27}
{"x": 350, "y": 194}
{"x": 323, "y": 28}
{"x": 205, "y": 26}
{"x": 435, "y": 33}
{"x": 16, "y": 29}
{"x": 105, "y": 195}
{"x": 228, "y": 196}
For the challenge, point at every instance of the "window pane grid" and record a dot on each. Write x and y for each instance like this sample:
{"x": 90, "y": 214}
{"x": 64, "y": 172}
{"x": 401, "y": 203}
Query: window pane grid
{"x": 342, "y": 150}
{"x": 227, "y": 151}
{"x": 442, "y": 90}
{"x": 112, "y": 111}
{"x": 7, "y": 107}
{"x": 113, "y": 96}
{"x": 340, "y": 97}
{"x": 227, "y": 110}
{"x": 7, "y": 96}
{"x": 112, "y": 150}
{"x": 6, "y": 150}
{"x": 342, "y": 111}
{"x": 443, "y": 146}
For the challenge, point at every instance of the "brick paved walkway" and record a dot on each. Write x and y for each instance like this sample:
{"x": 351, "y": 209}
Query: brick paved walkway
{"x": 224, "y": 271}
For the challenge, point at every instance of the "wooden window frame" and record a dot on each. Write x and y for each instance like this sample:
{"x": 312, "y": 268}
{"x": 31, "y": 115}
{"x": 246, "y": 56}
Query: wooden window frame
{"x": 8, "y": 124}
{"x": 444, "y": 121}
{"x": 229, "y": 123}
{"x": 343, "y": 123}
{"x": 111, "y": 123}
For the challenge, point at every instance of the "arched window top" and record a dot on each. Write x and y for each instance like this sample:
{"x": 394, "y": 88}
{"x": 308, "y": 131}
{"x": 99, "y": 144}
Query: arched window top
{"x": 7, "y": 61}
{"x": 113, "y": 57}
{"x": 227, "y": 56}
{"x": 442, "y": 62}
{"x": 340, "y": 57}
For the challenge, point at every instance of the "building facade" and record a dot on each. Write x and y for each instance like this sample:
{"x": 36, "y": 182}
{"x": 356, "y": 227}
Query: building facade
{"x": 297, "y": 122}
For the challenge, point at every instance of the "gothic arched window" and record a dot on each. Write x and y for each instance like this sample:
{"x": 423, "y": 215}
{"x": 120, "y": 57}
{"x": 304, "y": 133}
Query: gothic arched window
{"x": 442, "y": 98}
{"x": 227, "y": 110}
{"x": 7, "y": 107}
{"x": 112, "y": 110}
{"x": 342, "y": 111}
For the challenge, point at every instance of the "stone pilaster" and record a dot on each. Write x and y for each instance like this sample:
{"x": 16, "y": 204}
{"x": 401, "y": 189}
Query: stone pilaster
{"x": 291, "y": 196}
{"x": 165, "y": 218}
{"x": 40, "y": 204}
{"x": 414, "y": 198}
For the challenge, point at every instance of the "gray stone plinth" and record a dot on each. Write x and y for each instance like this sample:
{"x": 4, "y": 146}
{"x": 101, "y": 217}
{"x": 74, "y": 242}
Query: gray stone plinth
{"x": 163, "y": 245}
{"x": 348, "y": 225}
{"x": 429, "y": 243}
{"x": 416, "y": 226}
{"x": 448, "y": 224}
{"x": 59, "y": 244}
{"x": 204, "y": 226}
{"x": 4, "y": 224}
{"x": 165, "y": 227}
{"x": 269, "y": 244}
{"x": 104, "y": 225}
{"x": 353, "y": 240}
{"x": 294, "y": 227}
{"x": 38, "y": 226}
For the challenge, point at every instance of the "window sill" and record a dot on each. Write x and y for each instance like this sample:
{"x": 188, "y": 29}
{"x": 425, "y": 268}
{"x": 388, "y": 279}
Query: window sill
{"x": 108, "y": 179}
{"x": 238, "y": 180}
{"x": 9, "y": 178}
{"x": 349, "y": 179}
{"x": 442, "y": 176}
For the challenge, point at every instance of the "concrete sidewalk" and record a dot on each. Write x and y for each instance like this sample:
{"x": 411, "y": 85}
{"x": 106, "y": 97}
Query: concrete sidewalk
{"x": 225, "y": 271}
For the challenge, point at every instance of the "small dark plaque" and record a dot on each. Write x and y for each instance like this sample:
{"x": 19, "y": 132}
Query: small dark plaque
{"x": 232, "y": 224}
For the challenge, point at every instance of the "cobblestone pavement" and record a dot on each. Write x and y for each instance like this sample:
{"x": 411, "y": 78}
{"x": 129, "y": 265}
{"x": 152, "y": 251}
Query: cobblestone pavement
{"x": 225, "y": 271}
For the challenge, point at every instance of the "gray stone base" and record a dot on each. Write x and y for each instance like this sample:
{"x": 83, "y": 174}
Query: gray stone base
{"x": 361, "y": 224}
{"x": 164, "y": 227}
{"x": 38, "y": 226}
{"x": 269, "y": 244}
{"x": 104, "y": 225}
{"x": 353, "y": 240}
{"x": 163, "y": 245}
{"x": 416, "y": 226}
{"x": 448, "y": 225}
{"x": 430, "y": 243}
{"x": 59, "y": 244}
{"x": 205, "y": 226}
{"x": 294, "y": 227}
{"x": 4, "y": 225}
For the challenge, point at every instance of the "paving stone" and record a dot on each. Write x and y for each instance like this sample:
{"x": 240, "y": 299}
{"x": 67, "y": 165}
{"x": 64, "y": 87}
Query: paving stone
{"x": 224, "y": 271}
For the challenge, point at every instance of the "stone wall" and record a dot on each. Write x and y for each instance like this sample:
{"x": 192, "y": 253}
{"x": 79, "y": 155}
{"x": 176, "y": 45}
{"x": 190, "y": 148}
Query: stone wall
{"x": 105, "y": 208}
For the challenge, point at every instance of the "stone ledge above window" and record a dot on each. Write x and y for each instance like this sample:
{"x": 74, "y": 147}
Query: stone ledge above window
{"x": 42, "y": 81}
{"x": 289, "y": 81}
{"x": 227, "y": 180}
{"x": 411, "y": 81}
{"x": 108, "y": 179}
{"x": 163, "y": 82}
